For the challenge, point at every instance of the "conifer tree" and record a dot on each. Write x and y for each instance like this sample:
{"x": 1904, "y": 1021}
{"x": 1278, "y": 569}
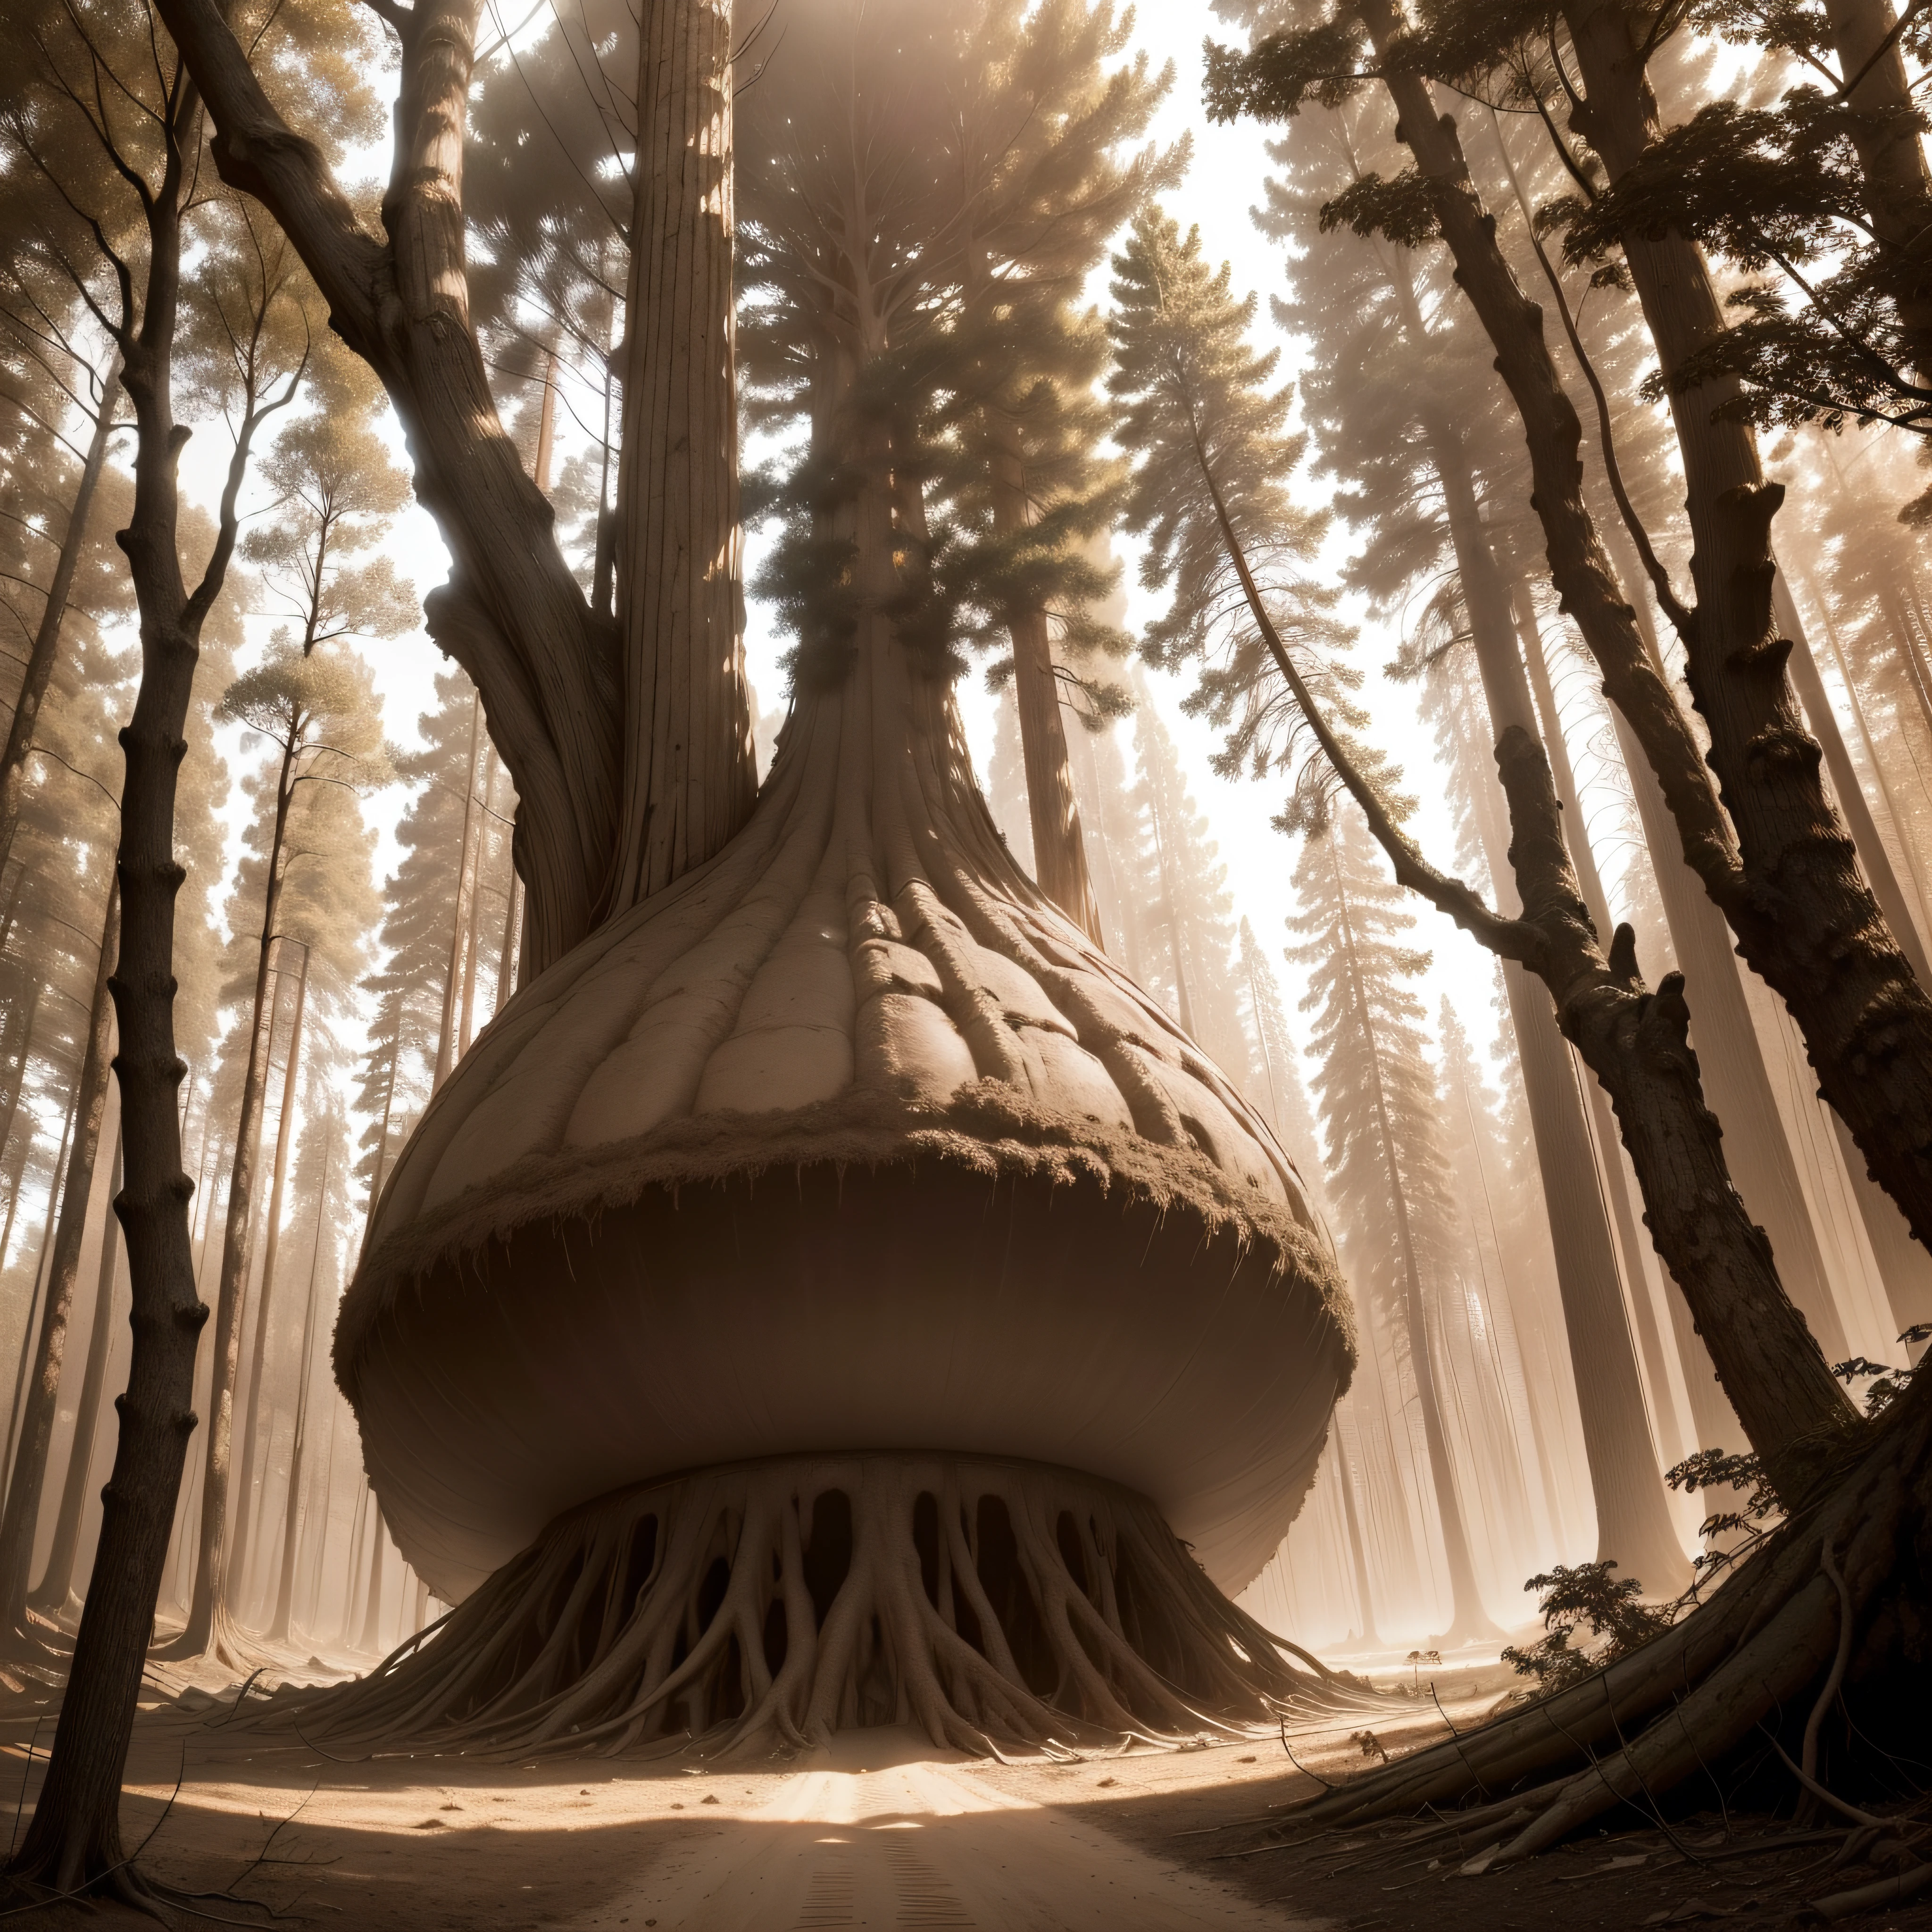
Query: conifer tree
{"x": 1173, "y": 377}
{"x": 317, "y": 717}
{"x": 1388, "y": 1175}
{"x": 1188, "y": 921}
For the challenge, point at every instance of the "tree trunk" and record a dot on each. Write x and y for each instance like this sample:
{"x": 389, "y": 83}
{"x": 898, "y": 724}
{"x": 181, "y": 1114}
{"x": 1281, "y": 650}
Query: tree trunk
{"x": 265, "y": 1298}
{"x": 1059, "y": 849}
{"x": 211, "y": 1571}
{"x": 55, "y": 1594}
{"x": 17, "y": 1168}
{"x": 689, "y": 778}
{"x": 75, "y": 1835}
{"x": 1885, "y": 131}
{"x": 1808, "y": 920}
{"x": 467, "y": 1023}
{"x": 1357, "y": 1549}
{"x": 1636, "y": 1043}
{"x": 1803, "y": 918}
{"x": 44, "y": 652}
{"x": 459, "y": 923}
{"x": 1467, "y": 1620}
{"x": 56, "y": 1192}
{"x": 371, "y": 1637}
{"x": 1853, "y": 806}
{"x": 285, "y": 1583}
{"x": 1633, "y": 1524}
{"x": 21, "y": 1515}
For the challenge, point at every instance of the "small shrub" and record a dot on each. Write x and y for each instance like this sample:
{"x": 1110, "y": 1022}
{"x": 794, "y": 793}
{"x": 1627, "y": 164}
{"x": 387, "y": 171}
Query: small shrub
{"x": 1585, "y": 1597}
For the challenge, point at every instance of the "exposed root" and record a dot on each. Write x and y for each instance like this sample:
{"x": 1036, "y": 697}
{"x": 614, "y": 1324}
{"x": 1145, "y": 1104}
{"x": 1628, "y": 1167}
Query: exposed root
{"x": 753, "y": 1609}
{"x": 1836, "y": 1596}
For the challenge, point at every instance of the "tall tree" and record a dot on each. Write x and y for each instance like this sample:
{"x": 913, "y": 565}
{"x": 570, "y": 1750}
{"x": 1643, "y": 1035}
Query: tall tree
{"x": 1387, "y": 1173}
{"x": 318, "y": 719}
{"x": 1773, "y": 855}
{"x": 1186, "y": 381}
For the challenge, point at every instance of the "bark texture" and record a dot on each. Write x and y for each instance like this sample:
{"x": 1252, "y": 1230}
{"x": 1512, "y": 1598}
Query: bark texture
{"x": 1807, "y": 917}
{"x": 75, "y": 1834}
{"x": 689, "y": 776}
{"x": 1059, "y": 847}
{"x": 511, "y": 614}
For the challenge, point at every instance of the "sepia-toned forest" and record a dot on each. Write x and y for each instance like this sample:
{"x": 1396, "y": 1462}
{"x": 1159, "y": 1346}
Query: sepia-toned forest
{"x": 806, "y": 924}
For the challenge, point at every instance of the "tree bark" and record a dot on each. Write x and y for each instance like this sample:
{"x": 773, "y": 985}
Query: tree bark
{"x": 1633, "y": 1518}
{"x": 265, "y": 1296}
{"x": 211, "y": 1570}
{"x": 1467, "y": 1619}
{"x": 75, "y": 1834}
{"x": 1059, "y": 847}
{"x": 44, "y": 652}
{"x": 285, "y": 1582}
{"x": 27, "y": 1478}
{"x": 1884, "y": 129}
{"x": 511, "y": 614}
{"x": 1808, "y": 920}
{"x": 689, "y": 778}
{"x": 55, "y": 1594}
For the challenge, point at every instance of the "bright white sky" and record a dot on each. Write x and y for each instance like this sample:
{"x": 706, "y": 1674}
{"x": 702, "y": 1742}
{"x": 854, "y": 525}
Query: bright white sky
{"x": 1229, "y": 165}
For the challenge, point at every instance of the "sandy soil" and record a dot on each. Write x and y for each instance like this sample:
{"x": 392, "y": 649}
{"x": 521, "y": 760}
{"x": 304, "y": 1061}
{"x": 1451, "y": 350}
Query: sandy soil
{"x": 884, "y": 1833}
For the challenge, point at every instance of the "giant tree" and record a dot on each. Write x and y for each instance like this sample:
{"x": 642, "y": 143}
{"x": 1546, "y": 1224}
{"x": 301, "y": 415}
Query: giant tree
{"x": 860, "y": 965}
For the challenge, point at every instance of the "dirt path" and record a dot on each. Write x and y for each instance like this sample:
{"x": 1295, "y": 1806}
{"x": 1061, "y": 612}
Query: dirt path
{"x": 922, "y": 1844}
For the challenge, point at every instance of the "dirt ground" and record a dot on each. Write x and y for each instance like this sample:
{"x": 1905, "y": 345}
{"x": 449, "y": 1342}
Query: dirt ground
{"x": 885, "y": 1832}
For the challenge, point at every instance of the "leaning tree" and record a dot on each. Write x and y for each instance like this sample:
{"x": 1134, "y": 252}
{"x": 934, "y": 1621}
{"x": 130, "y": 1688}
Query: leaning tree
{"x": 829, "y": 1290}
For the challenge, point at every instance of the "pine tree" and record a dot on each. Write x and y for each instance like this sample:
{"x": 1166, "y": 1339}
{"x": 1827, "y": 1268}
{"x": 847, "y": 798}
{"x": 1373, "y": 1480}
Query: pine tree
{"x": 1188, "y": 917}
{"x": 1388, "y": 1175}
{"x": 317, "y": 716}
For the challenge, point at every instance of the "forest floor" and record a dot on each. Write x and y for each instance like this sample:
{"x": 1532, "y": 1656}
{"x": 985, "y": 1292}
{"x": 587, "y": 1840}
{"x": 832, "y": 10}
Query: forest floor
{"x": 884, "y": 1832}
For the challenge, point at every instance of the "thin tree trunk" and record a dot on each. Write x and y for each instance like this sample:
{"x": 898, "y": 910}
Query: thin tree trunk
{"x": 1852, "y": 804}
{"x": 211, "y": 1570}
{"x": 1358, "y": 1547}
{"x": 1059, "y": 847}
{"x": 55, "y": 1594}
{"x": 459, "y": 921}
{"x": 56, "y": 1195}
{"x": 44, "y": 652}
{"x": 25, "y": 1483}
{"x": 690, "y": 777}
{"x": 265, "y": 1299}
{"x": 383, "y": 1138}
{"x": 1883, "y": 127}
{"x": 1467, "y": 1620}
{"x": 1634, "y": 1523}
{"x": 513, "y": 925}
{"x": 371, "y": 1639}
{"x": 285, "y": 1583}
{"x": 17, "y": 1171}
{"x": 75, "y": 1836}
{"x": 466, "y": 1024}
